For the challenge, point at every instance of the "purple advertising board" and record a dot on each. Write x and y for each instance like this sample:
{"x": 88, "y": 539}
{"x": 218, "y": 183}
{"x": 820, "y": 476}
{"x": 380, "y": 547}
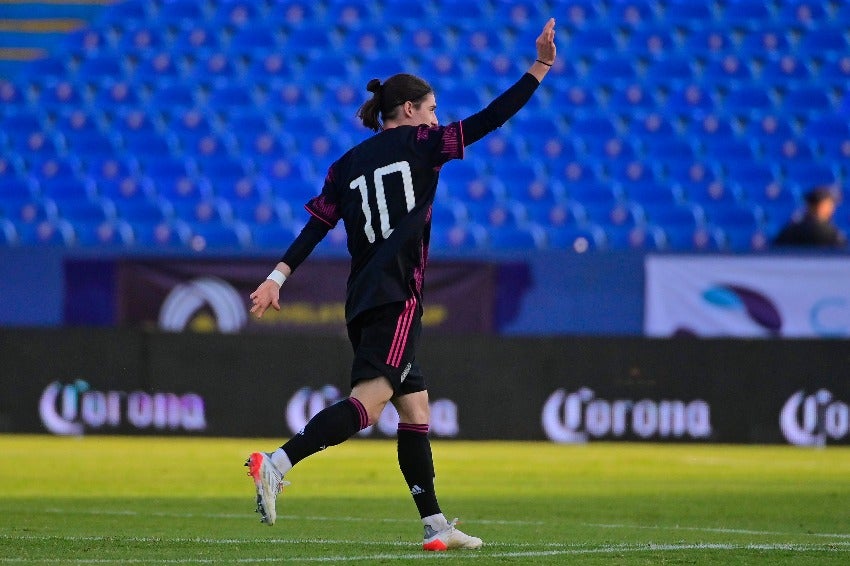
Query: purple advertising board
{"x": 207, "y": 296}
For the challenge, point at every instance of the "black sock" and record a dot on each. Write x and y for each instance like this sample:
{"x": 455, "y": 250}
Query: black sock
{"x": 331, "y": 426}
{"x": 417, "y": 467}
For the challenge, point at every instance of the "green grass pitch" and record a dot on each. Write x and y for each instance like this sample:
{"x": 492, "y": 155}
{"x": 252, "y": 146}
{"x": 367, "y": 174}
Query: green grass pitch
{"x": 161, "y": 501}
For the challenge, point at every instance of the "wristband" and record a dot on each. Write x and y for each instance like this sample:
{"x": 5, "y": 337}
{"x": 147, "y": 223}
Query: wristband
{"x": 277, "y": 277}
{"x": 544, "y": 62}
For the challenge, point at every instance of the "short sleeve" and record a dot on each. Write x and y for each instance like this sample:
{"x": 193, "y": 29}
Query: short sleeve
{"x": 442, "y": 143}
{"x": 325, "y": 206}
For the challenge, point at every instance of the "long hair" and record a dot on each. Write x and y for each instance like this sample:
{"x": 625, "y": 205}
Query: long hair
{"x": 387, "y": 97}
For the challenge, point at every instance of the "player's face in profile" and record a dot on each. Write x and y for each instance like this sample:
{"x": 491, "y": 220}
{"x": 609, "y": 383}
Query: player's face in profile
{"x": 427, "y": 112}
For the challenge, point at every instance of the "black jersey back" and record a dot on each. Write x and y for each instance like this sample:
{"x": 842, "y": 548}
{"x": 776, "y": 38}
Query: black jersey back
{"x": 383, "y": 190}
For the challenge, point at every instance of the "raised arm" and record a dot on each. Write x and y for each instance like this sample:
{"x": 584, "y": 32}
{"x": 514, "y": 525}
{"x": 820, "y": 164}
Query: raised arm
{"x": 509, "y": 102}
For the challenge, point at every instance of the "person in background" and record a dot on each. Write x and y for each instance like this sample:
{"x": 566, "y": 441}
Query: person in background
{"x": 815, "y": 227}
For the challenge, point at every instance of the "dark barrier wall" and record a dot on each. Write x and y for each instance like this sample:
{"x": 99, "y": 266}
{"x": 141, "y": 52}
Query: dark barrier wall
{"x": 566, "y": 390}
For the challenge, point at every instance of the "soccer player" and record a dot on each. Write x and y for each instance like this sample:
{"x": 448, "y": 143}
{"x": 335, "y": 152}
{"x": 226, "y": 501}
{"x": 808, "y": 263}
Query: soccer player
{"x": 383, "y": 190}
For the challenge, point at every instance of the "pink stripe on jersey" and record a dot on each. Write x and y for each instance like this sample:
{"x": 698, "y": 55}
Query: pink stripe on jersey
{"x": 401, "y": 330}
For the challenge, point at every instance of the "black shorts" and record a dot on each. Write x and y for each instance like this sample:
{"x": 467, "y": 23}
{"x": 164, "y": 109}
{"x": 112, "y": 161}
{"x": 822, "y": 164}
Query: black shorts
{"x": 384, "y": 340}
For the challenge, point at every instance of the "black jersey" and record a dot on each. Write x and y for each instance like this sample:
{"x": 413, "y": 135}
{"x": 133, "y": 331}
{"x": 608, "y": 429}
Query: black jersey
{"x": 383, "y": 190}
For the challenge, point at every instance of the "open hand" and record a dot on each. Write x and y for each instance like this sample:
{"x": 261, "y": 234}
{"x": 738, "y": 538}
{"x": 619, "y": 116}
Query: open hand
{"x": 545, "y": 43}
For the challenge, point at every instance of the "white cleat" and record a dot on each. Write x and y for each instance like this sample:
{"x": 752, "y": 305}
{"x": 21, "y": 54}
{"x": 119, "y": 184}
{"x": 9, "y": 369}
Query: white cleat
{"x": 449, "y": 538}
{"x": 269, "y": 482}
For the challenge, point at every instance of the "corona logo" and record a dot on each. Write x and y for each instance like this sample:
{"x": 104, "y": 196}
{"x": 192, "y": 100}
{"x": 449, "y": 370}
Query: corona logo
{"x": 186, "y": 302}
{"x": 73, "y": 408}
{"x": 808, "y": 420}
{"x": 577, "y": 417}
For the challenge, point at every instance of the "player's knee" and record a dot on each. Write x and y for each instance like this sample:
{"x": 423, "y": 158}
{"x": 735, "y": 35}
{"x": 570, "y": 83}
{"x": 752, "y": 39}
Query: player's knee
{"x": 374, "y": 410}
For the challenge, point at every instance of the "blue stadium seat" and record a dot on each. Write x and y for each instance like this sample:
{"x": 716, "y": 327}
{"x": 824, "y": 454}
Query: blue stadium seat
{"x": 827, "y": 127}
{"x": 126, "y": 12}
{"x": 271, "y": 211}
{"x": 673, "y": 216}
{"x": 771, "y": 126}
{"x": 27, "y": 209}
{"x": 576, "y": 238}
{"x": 50, "y": 68}
{"x": 707, "y": 40}
{"x": 803, "y": 12}
{"x": 218, "y": 236}
{"x": 175, "y": 95}
{"x": 459, "y": 237}
{"x": 807, "y": 100}
{"x": 10, "y": 93}
{"x": 612, "y": 70}
{"x": 724, "y": 149}
{"x": 702, "y": 239}
{"x": 272, "y": 236}
{"x": 167, "y": 234}
{"x": 17, "y": 188}
{"x": 493, "y": 214}
{"x": 183, "y": 188}
{"x": 748, "y": 98}
{"x": 156, "y": 66}
{"x": 611, "y": 214}
{"x": 95, "y": 69}
{"x": 521, "y": 15}
{"x": 104, "y": 233}
{"x": 823, "y": 41}
{"x": 809, "y": 174}
{"x": 246, "y": 188}
{"x": 553, "y": 214}
{"x": 512, "y": 237}
{"x": 710, "y": 190}
{"x": 141, "y": 39}
{"x": 745, "y": 13}
{"x": 689, "y": 98}
{"x": 590, "y": 40}
{"x": 745, "y": 239}
{"x": 786, "y": 149}
{"x": 671, "y": 149}
{"x": 785, "y": 70}
{"x": 207, "y": 210}
{"x": 670, "y": 68}
{"x": 632, "y": 98}
{"x": 46, "y": 233}
{"x": 180, "y": 14}
{"x": 236, "y": 13}
{"x": 91, "y": 210}
{"x": 733, "y": 214}
{"x": 146, "y": 211}
{"x": 686, "y": 12}
{"x": 636, "y": 171}
{"x": 634, "y": 238}
{"x": 197, "y": 36}
{"x": 761, "y": 40}
{"x": 834, "y": 71}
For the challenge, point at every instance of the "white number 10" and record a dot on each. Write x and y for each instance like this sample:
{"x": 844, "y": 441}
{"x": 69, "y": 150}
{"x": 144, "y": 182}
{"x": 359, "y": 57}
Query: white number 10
{"x": 359, "y": 183}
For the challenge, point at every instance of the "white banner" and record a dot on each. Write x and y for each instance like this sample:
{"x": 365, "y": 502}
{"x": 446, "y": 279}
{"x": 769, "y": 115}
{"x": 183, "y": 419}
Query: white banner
{"x": 753, "y": 297}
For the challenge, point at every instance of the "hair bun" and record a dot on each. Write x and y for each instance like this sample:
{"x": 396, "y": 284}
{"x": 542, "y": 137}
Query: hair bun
{"x": 374, "y": 86}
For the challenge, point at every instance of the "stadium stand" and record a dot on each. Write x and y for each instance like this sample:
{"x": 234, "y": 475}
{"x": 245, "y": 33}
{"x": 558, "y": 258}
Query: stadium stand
{"x": 666, "y": 124}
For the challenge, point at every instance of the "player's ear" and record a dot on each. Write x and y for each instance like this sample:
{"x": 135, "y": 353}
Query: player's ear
{"x": 407, "y": 107}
